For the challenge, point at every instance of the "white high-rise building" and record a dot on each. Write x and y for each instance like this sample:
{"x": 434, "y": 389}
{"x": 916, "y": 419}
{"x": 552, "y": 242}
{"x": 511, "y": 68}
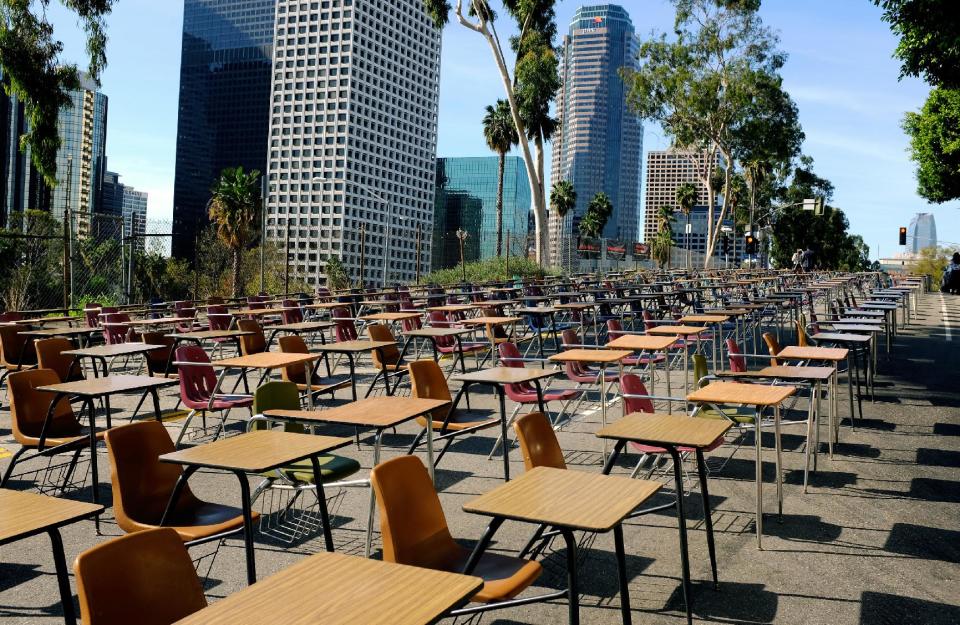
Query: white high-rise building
{"x": 353, "y": 135}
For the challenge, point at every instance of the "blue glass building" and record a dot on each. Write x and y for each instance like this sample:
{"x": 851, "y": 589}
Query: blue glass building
{"x": 467, "y": 198}
{"x": 922, "y": 232}
{"x": 224, "y": 116}
{"x": 599, "y": 145}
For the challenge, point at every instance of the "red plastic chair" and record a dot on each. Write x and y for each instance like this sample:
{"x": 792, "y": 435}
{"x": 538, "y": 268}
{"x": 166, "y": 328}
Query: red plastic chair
{"x": 449, "y": 344}
{"x": 579, "y": 372}
{"x": 113, "y": 332}
{"x": 635, "y": 399}
{"x": 292, "y": 313}
{"x": 738, "y": 364}
{"x": 198, "y": 382}
{"x": 346, "y": 330}
{"x": 615, "y": 331}
{"x": 526, "y": 393}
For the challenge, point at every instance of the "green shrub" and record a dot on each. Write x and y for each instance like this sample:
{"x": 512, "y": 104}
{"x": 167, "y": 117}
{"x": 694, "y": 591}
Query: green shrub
{"x": 488, "y": 270}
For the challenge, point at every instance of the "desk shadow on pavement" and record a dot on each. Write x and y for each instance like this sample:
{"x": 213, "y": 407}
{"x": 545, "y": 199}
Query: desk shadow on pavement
{"x": 877, "y": 608}
{"x": 733, "y": 603}
{"x": 823, "y": 478}
{"x": 927, "y": 543}
{"x": 946, "y": 429}
{"x": 806, "y": 528}
{"x": 938, "y": 457}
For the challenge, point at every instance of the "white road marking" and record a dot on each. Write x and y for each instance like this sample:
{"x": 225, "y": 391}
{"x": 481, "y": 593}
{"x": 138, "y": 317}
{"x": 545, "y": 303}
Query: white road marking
{"x": 946, "y": 323}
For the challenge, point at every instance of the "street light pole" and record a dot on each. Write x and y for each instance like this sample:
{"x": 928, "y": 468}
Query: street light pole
{"x": 462, "y": 237}
{"x": 263, "y": 228}
{"x": 418, "y": 254}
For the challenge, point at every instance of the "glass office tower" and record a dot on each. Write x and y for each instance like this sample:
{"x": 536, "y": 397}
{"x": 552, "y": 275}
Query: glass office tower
{"x": 224, "y": 115}
{"x": 599, "y": 144}
{"x": 467, "y": 198}
{"x": 922, "y": 232}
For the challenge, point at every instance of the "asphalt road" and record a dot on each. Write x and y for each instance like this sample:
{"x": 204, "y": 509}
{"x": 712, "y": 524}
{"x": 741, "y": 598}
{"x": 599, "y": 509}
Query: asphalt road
{"x": 876, "y": 540}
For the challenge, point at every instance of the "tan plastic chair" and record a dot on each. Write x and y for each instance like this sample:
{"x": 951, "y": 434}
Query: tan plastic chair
{"x": 773, "y": 346}
{"x": 387, "y": 359}
{"x": 142, "y": 486}
{"x": 145, "y": 578}
{"x": 538, "y": 442}
{"x": 255, "y": 343}
{"x": 28, "y": 411}
{"x": 427, "y": 381}
{"x": 294, "y": 344}
{"x": 50, "y": 356}
{"x": 415, "y": 532}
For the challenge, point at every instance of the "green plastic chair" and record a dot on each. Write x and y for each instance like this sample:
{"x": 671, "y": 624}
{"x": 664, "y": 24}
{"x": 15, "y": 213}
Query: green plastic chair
{"x": 742, "y": 415}
{"x": 286, "y": 396}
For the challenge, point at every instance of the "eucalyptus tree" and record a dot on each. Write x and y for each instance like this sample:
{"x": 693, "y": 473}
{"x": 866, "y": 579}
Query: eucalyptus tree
{"x": 703, "y": 84}
{"x": 530, "y": 88}
{"x": 33, "y": 71}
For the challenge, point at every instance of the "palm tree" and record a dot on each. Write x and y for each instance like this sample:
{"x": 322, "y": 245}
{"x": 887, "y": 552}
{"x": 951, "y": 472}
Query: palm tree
{"x": 501, "y": 135}
{"x": 563, "y": 197}
{"x": 661, "y": 246}
{"x": 602, "y": 207}
{"x": 686, "y": 196}
{"x": 233, "y": 208}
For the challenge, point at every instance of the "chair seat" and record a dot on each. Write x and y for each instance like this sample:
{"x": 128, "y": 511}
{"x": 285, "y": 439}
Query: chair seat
{"x": 610, "y": 376}
{"x": 462, "y": 420}
{"x": 632, "y": 361}
{"x": 200, "y": 521}
{"x": 55, "y": 439}
{"x": 741, "y": 415}
{"x": 332, "y": 469}
{"x": 222, "y": 402}
{"x": 651, "y": 449}
{"x": 325, "y": 385}
{"x": 504, "y": 577}
{"x": 465, "y": 347}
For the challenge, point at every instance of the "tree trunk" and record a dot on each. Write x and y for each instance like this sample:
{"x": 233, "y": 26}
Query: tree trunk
{"x": 500, "y": 172}
{"x": 712, "y": 241}
{"x": 236, "y": 272}
{"x": 540, "y": 209}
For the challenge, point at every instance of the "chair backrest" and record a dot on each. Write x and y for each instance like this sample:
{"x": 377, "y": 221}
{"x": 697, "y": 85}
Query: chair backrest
{"x": 146, "y": 577}
{"x": 738, "y": 364}
{"x": 50, "y": 356}
{"x": 292, "y": 313}
{"x": 114, "y": 332}
{"x": 631, "y": 384}
{"x": 294, "y": 344}
{"x": 428, "y": 382}
{"x": 345, "y": 329}
{"x": 141, "y": 483}
{"x": 13, "y": 344}
{"x": 10, "y": 315}
{"x": 29, "y": 407}
{"x": 614, "y": 329}
{"x": 648, "y": 322}
{"x": 538, "y": 442}
{"x": 91, "y": 312}
{"x": 569, "y": 337}
{"x": 413, "y": 323}
{"x": 218, "y": 318}
{"x": 276, "y": 396}
{"x": 256, "y": 302}
{"x": 215, "y": 300}
{"x": 157, "y": 359}
{"x": 196, "y": 380}
{"x": 814, "y": 323}
{"x": 802, "y": 339}
{"x": 389, "y": 355}
{"x": 773, "y": 346}
{"x": 254, "y": 343}
{"x": 700, "y": 368}
{"x": 510, "y": 355}
{"x": 412, "y": 524}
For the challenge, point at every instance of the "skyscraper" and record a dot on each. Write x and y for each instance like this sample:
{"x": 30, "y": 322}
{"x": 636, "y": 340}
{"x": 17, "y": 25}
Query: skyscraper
{"x": 127, "y": 203}
{"x": 600, "y": 142}
{"x": 224, "y": 113}
{"x": 81, "y": 159}
{"x": 666, "y": 170}
{"x": 467, "y": 198}
{"x": 922, "y": 232}
{"x": 353, "y": 134}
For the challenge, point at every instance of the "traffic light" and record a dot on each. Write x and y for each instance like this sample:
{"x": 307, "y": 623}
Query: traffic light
{"x": 903, "y": 236}
{"x": 725, "y": 244}
{"x": 750, "y": 246}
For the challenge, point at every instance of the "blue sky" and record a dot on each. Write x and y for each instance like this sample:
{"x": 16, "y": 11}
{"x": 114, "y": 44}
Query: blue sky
{"x": 839, "y": 72}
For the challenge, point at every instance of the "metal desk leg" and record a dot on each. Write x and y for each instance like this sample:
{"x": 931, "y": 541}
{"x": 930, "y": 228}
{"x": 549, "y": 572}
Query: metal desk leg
{"x": 501, "y": 395}
{"x": 776, "y": 430}
{"x": 573, "y": 591}
{"x": 622, "y": 574}
{"x": 376, "y": 461}
{"x": 682, "y": 526}
{"x": 806, "y": 453}
{"x": 247, "y": 527}
{"x": 759, "y": 477}
{"x": 707, "y": 515}
{"x": 63, "y": 577}
{"x": 322, "y": 502}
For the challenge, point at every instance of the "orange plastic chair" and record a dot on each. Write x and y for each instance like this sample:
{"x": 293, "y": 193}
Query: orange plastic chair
{"x": 415, "y": 532}
{"x": 28, "y": 411}
{"x": 255, "y": 343}
{"x": 16, "y": 351}
{"x": 142, "y": 486}
{"x": 294, "y": 344}
{"x": 145, "y": 578}
{"x": 538, "y": 442}
{"x": 50, "y": 356}
{"x": 427, "y": 381}
{"x": 773, "y": 346}
{"x": 387, "y": 359}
